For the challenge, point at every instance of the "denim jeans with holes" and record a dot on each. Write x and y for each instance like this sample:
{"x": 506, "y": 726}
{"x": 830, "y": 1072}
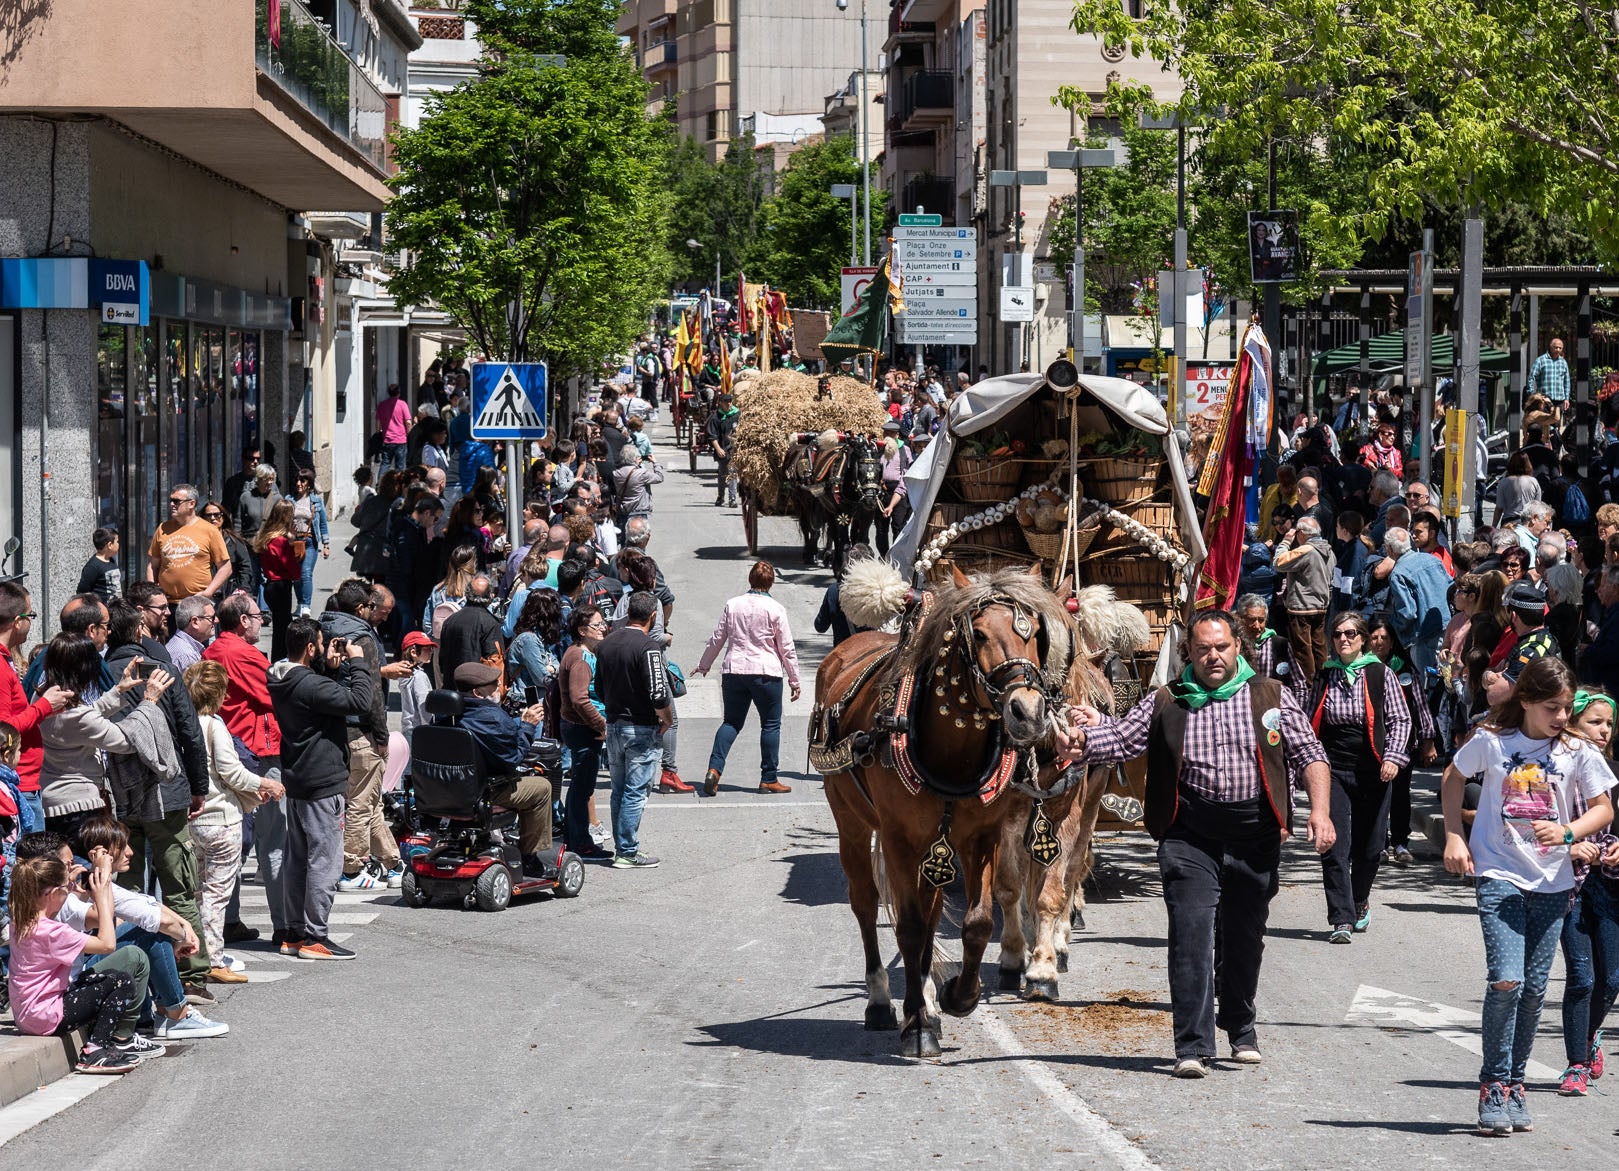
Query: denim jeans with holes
{"x": 1521, "y": 929}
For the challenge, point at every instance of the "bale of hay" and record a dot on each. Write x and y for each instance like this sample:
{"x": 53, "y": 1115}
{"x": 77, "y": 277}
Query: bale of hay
{"x": 776, "y": 406}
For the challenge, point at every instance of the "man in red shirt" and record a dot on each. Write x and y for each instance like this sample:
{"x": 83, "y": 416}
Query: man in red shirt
{"x": 16, "y": 620}
{"x": 250, "y": 718}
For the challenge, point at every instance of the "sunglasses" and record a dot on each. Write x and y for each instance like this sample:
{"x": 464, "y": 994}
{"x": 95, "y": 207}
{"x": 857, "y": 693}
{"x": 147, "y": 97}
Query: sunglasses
{"x": 211, "y": 515}
{"x": 1346, "y": 634}
{"x": 177, "y": 501}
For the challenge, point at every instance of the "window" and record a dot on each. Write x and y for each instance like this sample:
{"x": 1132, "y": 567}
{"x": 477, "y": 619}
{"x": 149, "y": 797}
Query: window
{"x": 713, "y": 125}
{"x": 112, "y": 398}
{"x": 1135, "y": 9}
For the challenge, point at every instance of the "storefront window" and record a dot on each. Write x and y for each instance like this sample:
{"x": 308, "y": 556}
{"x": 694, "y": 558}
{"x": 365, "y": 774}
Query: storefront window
{"x": 177, "y": 402}
{"x": 244, "y": 374}
{"x": 146, "y": 486}
{"x": 112, "y": 374}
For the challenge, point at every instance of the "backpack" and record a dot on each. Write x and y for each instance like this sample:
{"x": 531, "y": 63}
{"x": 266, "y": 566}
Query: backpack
{"x": 1576, "y": 508}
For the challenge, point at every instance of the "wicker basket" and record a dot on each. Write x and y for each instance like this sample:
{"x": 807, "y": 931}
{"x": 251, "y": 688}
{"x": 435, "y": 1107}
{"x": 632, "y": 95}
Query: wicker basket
{"x": 1122, "y": 572}
{"x": 1000, "y": 536}
{"x": 1048, "y": 546}
{"x": 1157, "y": 515}
{"x": 975, "y": 559}
{"x": 1160, "y": 616}
{"x": 1119, "y": 481}
{"x": 981, "y": 480}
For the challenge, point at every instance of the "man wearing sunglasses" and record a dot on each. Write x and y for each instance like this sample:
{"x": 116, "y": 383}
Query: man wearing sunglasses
{"x": 187, "y": 556}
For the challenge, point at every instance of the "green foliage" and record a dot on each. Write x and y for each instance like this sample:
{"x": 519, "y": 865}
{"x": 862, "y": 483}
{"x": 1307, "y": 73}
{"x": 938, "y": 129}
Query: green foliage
{"x": 803, "y": 238}
{"x": 531, "y": 199}
{"x": 575, "y": 29}
{"x": 716, "y": 204}
{"x": 1467, "y": 105}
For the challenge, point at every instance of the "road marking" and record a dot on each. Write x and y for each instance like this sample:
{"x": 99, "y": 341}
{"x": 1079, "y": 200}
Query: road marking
{"x": 254, "y": 977}
{"x": 357, "y": 919}
{"x": 760, "y": 803}
{"x": 1459, "y": 1026}
{"x": 747, "y": 945}
{"x": 47, "y": 1101}
{"x": 1092, "y": 1126}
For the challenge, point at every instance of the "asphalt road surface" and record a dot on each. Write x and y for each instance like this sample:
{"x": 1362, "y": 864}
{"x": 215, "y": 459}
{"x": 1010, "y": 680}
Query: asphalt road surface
{"x": 707, "y": 1014}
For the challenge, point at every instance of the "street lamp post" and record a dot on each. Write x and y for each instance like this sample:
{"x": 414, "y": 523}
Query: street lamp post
{"x": 1018, "y": 180}
{"x": 865, "y": 130}
{"x": 697, "y": 245}
{"x": 1076, "y": 161}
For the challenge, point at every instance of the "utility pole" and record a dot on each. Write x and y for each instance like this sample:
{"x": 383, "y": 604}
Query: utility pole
{"x": 863, "y": 123}
{"x": 1273, "y": 292}
{"x": 1179, "y": 290}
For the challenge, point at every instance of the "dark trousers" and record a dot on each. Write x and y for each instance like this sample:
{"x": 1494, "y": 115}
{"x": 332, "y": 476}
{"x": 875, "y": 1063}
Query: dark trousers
{"x": 1400, "y": 809}
{"x": 279, "y": 596}
{"x": 1591, "y": 956}
{"x": 174, "y": 865}
{"x": 1307, "y": 640}
{"x": 723, "y": 486}
{"x": 1207, "y": 881}
{"x": 739, "y": 693}
{"x": 1360, "y": 814}
{"x": 585, "y": 752}
{"x": 104, "y": 999}
{"x": 888, "y": 527}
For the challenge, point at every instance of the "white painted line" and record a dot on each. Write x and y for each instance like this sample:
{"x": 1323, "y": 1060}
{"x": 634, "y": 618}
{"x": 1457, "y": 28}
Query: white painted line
{"x": 253, "y": 896}
{"x": 269, "y": 977}
{"x": 1459, "y": 1026}
{"x": 1092, "y": 1126}
{"x": 48, "y": 1101}
{"x": 747, "y": 945}
{"x": 355, "y": 918}
{"x": 716, "y": 803}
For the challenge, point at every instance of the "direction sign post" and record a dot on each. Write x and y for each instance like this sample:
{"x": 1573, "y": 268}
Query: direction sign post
{"x": 939, "y": 267}
{"x": 509, "y": 402}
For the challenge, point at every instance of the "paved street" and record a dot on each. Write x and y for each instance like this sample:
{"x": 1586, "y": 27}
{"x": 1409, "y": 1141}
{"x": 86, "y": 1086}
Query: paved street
{"x": 707, "y": 1014}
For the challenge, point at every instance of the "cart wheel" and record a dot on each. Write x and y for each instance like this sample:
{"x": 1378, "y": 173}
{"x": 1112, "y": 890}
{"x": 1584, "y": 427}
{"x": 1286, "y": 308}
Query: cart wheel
{"x": 750, "y": 522}
{"x": 494, "y": 888}
{"x": 413, "y": 895}
{"x": 572, "y": 878}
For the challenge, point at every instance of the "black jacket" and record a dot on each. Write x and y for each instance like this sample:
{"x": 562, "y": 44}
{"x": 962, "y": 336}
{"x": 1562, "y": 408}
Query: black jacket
{"x": 312, "y": 710}
{"x": 470, "y": 635}
{"x": 374, "y": 721}
{"x": 631, "y": 677}
{"x": 176, "y": 705}
{"x": 503, "y": 740}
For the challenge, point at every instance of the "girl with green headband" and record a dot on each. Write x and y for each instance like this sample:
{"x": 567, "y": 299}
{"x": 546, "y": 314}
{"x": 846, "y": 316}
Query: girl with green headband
{"x": 1591, "y": 931}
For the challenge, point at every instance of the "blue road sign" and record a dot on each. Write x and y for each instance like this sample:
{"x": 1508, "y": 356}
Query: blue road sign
{"x": 508, "y": 400}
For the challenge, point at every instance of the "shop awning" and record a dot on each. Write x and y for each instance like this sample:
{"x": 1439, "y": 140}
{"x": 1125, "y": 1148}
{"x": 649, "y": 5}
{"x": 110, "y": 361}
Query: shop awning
{"x": 1386, "y": 353}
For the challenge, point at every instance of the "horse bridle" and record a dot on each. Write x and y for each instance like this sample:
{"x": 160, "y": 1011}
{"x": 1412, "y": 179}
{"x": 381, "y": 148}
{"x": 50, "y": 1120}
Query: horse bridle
{"x": 1009, "y": 674}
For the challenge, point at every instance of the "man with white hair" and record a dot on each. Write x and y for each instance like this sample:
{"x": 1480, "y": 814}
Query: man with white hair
{"x": 1306, "y": 559}
{"x": 1383, "y": 495}
{"x": 1418, "y": 585}
{"x": 1565, "y": 588}
{"x": 1537, "y": 518}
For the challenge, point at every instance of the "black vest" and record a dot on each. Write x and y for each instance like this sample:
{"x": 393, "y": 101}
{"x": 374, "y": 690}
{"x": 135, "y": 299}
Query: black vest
{"x": 1376, "y": 712}
{"x": 1167, "y": 734}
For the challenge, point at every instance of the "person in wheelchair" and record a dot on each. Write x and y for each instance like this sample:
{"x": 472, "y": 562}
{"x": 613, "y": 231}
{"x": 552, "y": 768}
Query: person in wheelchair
{"x": 505, "y": 743}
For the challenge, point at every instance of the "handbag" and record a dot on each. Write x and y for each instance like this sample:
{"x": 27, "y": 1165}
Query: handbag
{"x": 677, "y": 678}
{"x": 299, "y": 547}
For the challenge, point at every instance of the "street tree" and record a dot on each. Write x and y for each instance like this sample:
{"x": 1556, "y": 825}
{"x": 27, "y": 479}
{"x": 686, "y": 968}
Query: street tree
{"x": 803, "y": 238}
{"x": 715, "y": 203}
{"x": 530, "y": 200}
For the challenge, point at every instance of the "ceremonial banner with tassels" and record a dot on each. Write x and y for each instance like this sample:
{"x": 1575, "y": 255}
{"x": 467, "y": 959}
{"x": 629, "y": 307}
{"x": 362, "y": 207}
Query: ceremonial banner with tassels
{"x": 744, "y": 310}
{"x": 725, "y": 367}
{"x": 865, "y": 329}
{"x": 1226, "y": 469}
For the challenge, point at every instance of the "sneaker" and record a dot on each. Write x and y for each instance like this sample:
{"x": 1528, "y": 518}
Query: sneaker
{"x": 774, "y": 787}
{"x": 1402, "y": 856}
{"x": 1246, "y": 1053}
{"x": 223, "y": 975}
{"x": 364, "y": 880}
{"x": 139, "y": 1047}
{"x": 226, "y": 960}
{"x": 641, "y": 861}
{"x": 1363, "y": 917}
{"x": 1191, "y": 1067}
{"x": 711, "y": 783}
{"x": 1598, "y": 1062}
{"x": 199, "y": 995}
{"x": 1340, "y": 933}
{"x": 106, "y": 1059}
{"x": 593, "y": 854}
{"x": 288, "y": 945}
{"x": 395, "y": 878}
{"x": 1518, "y": 1109}
{"x": 599, "y": 835}
{"x": 1492, "y": 1109}
{"x": 323, "y": 949}
{"x": 191, "y": 1027}
{"x": 240, "y": 933}
{"x": 1576, "y": 1082}
{"x": 670, "y": 782}
{"x": 303, "y": 611}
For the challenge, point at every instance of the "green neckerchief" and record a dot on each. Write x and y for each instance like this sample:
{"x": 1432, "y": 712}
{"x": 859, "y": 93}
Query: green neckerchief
{"x": 1364, "y": 659}
{"x": 1266, "y": 637}
{"x": 730, "y": 411}
{"x": 1396, "y": 664}
{"x": 1196, "y": 695}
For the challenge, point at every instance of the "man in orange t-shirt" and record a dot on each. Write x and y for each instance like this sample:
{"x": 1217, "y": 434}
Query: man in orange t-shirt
{"x": 187, "y": 555}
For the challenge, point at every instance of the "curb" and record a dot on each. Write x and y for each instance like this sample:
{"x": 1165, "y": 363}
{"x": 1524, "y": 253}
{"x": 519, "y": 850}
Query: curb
{"x": 32, "y": 1063}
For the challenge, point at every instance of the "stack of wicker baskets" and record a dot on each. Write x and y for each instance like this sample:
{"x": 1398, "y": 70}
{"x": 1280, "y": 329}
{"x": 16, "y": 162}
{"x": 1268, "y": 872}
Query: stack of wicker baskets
{"x": 1143, "y": 581}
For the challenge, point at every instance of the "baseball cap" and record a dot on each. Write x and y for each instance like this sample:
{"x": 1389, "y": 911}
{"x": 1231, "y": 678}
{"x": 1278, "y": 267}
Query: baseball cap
{"x": 471, "y": 676}
{"x": 416, "y": 638}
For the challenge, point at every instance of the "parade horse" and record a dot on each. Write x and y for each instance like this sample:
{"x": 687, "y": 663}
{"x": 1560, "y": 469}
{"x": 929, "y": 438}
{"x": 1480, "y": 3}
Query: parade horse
{"x": 837, "y": 485}
{"x": 1046, "y": 839}
{"x": 919, "y": 736}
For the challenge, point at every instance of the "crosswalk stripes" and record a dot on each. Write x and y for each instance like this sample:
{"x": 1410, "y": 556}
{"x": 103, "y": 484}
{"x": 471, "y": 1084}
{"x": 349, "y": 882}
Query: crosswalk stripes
{"x": 264, "y": 964}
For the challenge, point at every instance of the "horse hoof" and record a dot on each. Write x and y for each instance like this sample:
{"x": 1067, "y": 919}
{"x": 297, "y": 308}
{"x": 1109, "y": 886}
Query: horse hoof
{"x": 881, "y": 1018}
{"x": 1062, "y": 961}
{"x": 954, "y": 1002}
{"x": 1040, "y": 990}
{"x": 919, "y": 1043}
{"x": 1077, "y": 920}
{"x": 1011, "y": 979}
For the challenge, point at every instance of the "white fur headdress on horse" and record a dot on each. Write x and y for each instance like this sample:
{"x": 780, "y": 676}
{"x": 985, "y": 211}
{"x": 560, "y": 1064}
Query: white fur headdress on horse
{"x": 826, "y": 440}
{"x": 1109, "y": 625}
{"x": 872, "y": 593}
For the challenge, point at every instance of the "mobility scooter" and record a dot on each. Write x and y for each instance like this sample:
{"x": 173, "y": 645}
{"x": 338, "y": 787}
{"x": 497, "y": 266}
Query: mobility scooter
{"x": 463, "y": 845}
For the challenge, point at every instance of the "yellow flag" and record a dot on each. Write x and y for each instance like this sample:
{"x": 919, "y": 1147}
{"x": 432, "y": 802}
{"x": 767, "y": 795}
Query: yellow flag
{"x": 688, "y": 348}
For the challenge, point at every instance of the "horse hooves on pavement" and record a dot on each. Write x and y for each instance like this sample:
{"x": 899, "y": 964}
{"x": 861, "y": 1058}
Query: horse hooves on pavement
{"x": 1040, "y": 990}
{"x": 1076, "y": 919}
{"x": 881, "y": 1018}
{"x": 1062, "y": 961}
{"x": 953, "y": 1002}
{"x": 1011, "y": 979}
{"x": 919, "y": 1043}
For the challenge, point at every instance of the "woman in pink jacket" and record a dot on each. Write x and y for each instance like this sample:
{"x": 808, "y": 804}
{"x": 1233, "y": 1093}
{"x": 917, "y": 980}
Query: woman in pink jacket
{"x": 759, "y": 651}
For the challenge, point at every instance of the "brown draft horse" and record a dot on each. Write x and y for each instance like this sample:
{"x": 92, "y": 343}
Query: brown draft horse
{"x": 988, "y": 660}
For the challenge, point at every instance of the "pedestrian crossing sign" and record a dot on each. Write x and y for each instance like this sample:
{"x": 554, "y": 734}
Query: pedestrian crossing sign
{"x": 508, "y": 400}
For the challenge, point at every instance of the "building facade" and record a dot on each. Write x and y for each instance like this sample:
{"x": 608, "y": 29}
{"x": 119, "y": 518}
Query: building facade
{"x": 163, "y": 300}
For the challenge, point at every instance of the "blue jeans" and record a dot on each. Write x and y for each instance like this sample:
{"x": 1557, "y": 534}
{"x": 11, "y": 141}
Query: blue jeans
{"x": 306, "y": 584}
{"x": 584, "y": 763}
{"x": 1590, "y": 951}
{"x": 33, "y": 801}
{"x": 1520, "y": 940}
{"x": 633, "y": 757}
{"x": 393, "y": 456}
{"x": 163, "y": 981}
{"x": 764, "y": 693}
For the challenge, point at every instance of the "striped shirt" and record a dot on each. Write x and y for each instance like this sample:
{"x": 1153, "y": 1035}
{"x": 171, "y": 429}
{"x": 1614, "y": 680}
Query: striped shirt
{"x": 1220, "y": 759}
{"x": 1345, "y": 705}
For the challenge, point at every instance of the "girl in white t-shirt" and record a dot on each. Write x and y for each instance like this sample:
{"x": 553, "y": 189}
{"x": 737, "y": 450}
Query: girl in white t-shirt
{"x": 1519, "y": 855}
{"x": 1591, "y": 932}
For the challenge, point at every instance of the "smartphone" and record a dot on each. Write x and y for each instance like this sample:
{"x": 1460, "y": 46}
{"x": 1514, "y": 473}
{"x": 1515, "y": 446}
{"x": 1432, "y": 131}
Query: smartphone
{"x": 145, "y": 668}
{"x": 340, "y": 645}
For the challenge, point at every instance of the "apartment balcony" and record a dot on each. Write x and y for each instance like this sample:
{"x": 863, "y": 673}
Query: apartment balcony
{"x": 260, "y": 94}
{"x": 901, "y": 31}
{"x": 660, "y": 59}
{"x": 934, "y": 195}
{"x": 928, "y": 100}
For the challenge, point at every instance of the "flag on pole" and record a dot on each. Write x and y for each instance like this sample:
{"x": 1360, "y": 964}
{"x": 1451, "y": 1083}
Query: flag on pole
{"x": 725, "y": 367}
{"x": 1226, "y": 471}
{"x": 688, "y": 347}
{"x": 743, "y": 308}
{"x": 865, "y": 329}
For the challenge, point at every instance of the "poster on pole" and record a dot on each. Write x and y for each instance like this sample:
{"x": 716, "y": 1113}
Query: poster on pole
{"x": 1273, "y": 247}
{"x": 1418, "y": 292}
{"x": 855, "y": 280}
{"x": 1456, "y": 459}
{"x": 1206, "y": 387}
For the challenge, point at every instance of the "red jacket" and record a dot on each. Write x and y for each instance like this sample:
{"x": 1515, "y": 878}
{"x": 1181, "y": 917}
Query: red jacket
{"x": 247, "y": 711}
{"x": 25, "y": 717}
